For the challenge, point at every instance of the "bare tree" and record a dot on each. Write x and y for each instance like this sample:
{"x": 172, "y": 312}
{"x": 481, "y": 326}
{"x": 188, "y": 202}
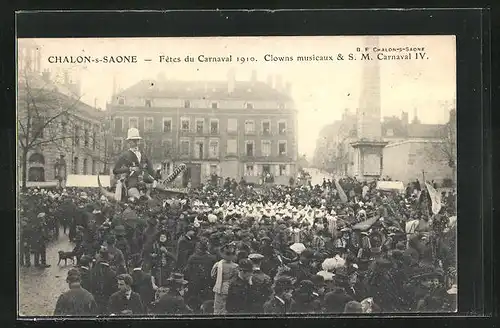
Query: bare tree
{"x": 445, "y": 149}
{"x": 45, "y": 117}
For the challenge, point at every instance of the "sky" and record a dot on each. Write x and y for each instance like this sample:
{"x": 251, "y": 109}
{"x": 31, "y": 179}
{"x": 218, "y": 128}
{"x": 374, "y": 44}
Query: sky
{"x": 321, "y": 90}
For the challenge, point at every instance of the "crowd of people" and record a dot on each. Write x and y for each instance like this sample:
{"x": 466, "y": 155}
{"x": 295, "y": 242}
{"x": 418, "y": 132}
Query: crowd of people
{"x": 344, "y": 247}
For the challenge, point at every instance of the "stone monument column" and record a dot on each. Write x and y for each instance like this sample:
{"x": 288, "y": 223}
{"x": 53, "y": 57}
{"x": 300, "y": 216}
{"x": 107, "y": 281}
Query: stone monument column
{"x": 369, "y": 144}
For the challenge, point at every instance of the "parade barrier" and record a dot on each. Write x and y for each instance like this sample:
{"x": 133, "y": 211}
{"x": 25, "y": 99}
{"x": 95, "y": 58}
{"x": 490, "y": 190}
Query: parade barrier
{"x": 79, "y": 180}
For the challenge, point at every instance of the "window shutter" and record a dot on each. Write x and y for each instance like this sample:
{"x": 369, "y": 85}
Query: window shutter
{"x": 219, "y": 171}
{"x": 288, "y": 173}
{"x": 207, "y": 169}
{"x": 277, "y": 170}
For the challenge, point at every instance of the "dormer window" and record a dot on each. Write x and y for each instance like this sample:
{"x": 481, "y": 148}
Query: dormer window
{"x": 187, "y": 104}
{"x": 215, "y": 105}
{"x": 281, "y": 106}
{"x": 121, "y": 101}
{"x": 249, "y": 105}
{"x": 148, "y": 103}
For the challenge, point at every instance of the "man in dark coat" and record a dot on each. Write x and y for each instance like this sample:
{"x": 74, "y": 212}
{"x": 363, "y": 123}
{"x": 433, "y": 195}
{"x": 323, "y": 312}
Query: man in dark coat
{"x": 39, "y": 241}
{"x": 76, "y": 301}
{"x": 239, "y": 298}
{"x": 133, "y": 164}
{"x": 281, "y": 302}
{"x": 142, "y": 282}
{"x": 198, "y": 269}
{"x": 185, "y": 248}
{"x": 84, "y": 271}
{"x": 26, "y": 235}
{"x": 261, "y": 284}
{"x": 125, "y": 301}
{"x": 173, "y": 301}
{"x": 302, "y": 269}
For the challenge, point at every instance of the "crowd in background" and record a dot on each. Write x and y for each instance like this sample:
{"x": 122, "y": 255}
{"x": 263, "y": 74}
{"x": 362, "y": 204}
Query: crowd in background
{"x": 344, "y": 247}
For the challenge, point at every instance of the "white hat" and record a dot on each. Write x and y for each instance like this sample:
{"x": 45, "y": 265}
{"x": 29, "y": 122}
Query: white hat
{"x": 133, "y": 134}
{"x": 298, "y": 248}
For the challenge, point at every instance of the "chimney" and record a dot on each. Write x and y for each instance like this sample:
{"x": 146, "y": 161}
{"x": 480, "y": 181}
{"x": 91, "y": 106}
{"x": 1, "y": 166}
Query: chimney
{"x": 253, "y": 78}
{"x": 415, "y": 117}
{"x": 231, "y": 80}
{"x": 404, "y": 118}
{"x": 270, "y": 80}
{"x": 288, "y": 88}
{"x": 278, "y": 83}
{"x": 46, "y": 75}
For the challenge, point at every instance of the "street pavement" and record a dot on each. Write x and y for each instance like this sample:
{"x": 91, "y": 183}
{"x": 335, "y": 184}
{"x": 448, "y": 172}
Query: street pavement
{"x": 318, "y": 175}
{"x": 39, "y": 288}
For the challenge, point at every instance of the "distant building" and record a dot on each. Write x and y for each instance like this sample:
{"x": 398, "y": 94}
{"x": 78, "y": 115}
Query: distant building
{"x": 232, "y": 128}
{"x": 334, "y": 152}
{"x": 52, "y": 121}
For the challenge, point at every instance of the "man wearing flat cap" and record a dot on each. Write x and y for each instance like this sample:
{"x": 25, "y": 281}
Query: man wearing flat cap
{"x": 125, "y": 301}
{"x": 261, "y": 284}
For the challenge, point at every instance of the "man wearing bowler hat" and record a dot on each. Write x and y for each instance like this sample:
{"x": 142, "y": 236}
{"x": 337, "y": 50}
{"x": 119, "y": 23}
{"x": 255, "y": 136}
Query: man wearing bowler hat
{"x": 133, "y": 165}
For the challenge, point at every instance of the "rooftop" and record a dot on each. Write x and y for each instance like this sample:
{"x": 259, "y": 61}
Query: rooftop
{"x": 248, "y": 90}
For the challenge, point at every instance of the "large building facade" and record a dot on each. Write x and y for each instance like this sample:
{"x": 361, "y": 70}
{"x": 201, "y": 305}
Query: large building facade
{"x": 57, "y": 133}
{"x": 231, "y": 128}
{"x": 334, "y": 152}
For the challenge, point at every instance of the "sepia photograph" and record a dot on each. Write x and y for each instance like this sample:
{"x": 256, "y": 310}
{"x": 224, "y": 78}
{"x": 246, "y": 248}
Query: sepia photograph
{"x": 222, "y": 176}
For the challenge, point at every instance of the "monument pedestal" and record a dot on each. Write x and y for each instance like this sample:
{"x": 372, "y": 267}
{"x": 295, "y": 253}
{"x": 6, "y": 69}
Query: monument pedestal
{"x": 368, "y": 159}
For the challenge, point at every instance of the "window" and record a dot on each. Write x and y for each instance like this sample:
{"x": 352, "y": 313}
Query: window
{"x": 76, "y": 139}
{"x": 167, "y": 125}
{"x": 389, "y": 132}
{"x": 117, "y": 145}
{"x": 118, "y": 124}
{"x": 148, "y": 147}
{"x": 232, "y": 147}
{"x": 185, "y": 144}
{"x": 266, "y": 148}
{"x": 282, "y": 148}
{"x": 187, "y": 104}
{"x": 249, "y": 170}
{"x": 249, "y": 105}
{"x": 215, "y": 105}
{"x": 85, "y": 162}
{"x": 249, "y": 127}
{"x": 121, "y": 101}
{"x": 64, "y": 126}
{"x": 38, "y": 125}
{"x": 200, "y": 125}
{"x": 249, "y": 148}
{"x": 75, "y": 165}
{"x": 133, "y": 122}
{"x": 94, "y": 140}
{"x": 148, "y": 124}
{"x": 198, "y": 149}
{"x": 282, "y": 128}
{"x": 213, "y": 169}
{"x": 266, "y": 168}
{"x": 266, "y": 128}
{"x": 282, "y": 169}
{"x": 86, "y": 137}
{"x": 167, "y": 147}
{"x": 214, "y": 149}
{"x": 147, "y": 103}
{"x": 232, "y": 125}
{"x": 281, "y": 106}
{"x": 185, "y": 124}
{"x": 214, "y": 126}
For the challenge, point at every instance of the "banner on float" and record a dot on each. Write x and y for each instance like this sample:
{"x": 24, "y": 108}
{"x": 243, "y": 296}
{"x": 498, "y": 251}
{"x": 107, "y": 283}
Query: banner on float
{"x": 435, "y": 198}
{"x": 86, "y": 181}
{"x": 390, "y": 186}
{"x": 342, "y": 195}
